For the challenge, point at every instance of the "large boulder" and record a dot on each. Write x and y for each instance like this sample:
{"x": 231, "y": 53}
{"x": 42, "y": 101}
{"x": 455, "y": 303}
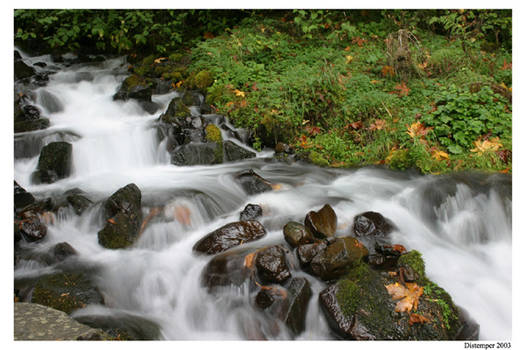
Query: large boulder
{"x": 123, "y": 215}
{"x": 251, "y": 182}
{"x": 234, "y": 152}
{"x": 321, "y": 223}
{"x": 272, "y": 266}
{"x": 369, "y": 305}
{"x": 66, "y": 291}
{"x": 27, "y": 117}
{"x": 307, "y": 252}
{"x": 197, "y": 154}
{"x": 22, "y": 70}
{"x": 296, "y": 234}
{"x": 38, "y": 322}
{"x": 373, "y": 230}
{"x": 229, "y": 236}
{"x": 231, "y": 268}
{"x": 176, "y": 112}
{"x": 338, "y": 258}
{"x": 54, "y": 162}
{"x": 30, "y": 227}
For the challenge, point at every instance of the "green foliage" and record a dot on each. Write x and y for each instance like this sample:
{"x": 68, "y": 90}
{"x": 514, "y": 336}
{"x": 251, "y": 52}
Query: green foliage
{"x": 413, "y": 259}
{"x": 462, "y": 116}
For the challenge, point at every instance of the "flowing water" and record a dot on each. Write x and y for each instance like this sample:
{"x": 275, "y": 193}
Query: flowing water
{"x": 460, "y": 223}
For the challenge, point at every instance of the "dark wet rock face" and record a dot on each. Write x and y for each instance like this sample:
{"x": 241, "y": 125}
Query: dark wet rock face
{"x": 196, "y": 154}
{"x": 322, "y": 223}
{"x": 229, "y": 236}
{"x": 22, "y": 70}
{"x": 54, "y": 162}
{"x": 227, "y": 269}
{"x": 123, "y": 326}
{"x": 338, "y": 258}
{"x": 62, "y": 251}
{"x": 123, "y": 214}
{"x": 23, "y": 199}
{"x": 27, "y": 117}
{"x": 251, "y": 212}
{"x": 30, "y": 227}
{"x": 272, "y": 266}
{"x": 371, "y": 223}
{"x": 78, "y": 200}
{"x": 307, "y": 252}
{"x": 296, "y": 234}
{"x": 138, "y": 88}
{"x": 292, "y": 309}
{"x": 234, "y": 152}
{"x": 66, "y": 292}
{"x": 252, "y": 183}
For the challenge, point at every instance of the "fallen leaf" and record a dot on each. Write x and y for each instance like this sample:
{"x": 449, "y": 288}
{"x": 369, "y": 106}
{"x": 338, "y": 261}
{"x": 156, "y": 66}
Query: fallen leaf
{"x": 249, "y": 260}
{"x": 277, "y": 187}
{"x": 238, "y": 93}
{"x": 417, "y": 318}
{"x": 313, "y": 130}
{"x": 378, "y": 124}
{"x": 408, "y": 296}
{"x": 486, "y": 145}
{"x": 440, "y": 155}
{"x": 112, "y": 221}
{"x": 388, "y": 71}
{"x": 506, "y": 66}
{"x": 418, "y": 130}
{"x": 356, "y": 125}
{"x": 208, "y": 35}
{"x": 347, "y": 48}
{"x": 160, "y": 59}
{"x": 349, "y": 58}
{"x": 399, "y": 248}
{"x": 401, "y": 90}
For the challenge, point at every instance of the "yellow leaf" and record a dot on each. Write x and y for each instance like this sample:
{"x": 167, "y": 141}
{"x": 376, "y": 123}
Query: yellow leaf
{"x": 160, "y": 59}
{"x": 249, "y": 260}
{"x": 407, "y": 295}
{"x": 178, "y": 85}
{"x": 486, "y": 145}
{"x": 238, "y": 93}
{"x": 440, "y": 155}
{"x": 349, "y": 58}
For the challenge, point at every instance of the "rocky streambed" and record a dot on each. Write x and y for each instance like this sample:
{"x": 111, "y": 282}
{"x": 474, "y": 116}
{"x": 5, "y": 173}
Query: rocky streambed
{"x": 141, "y": 213}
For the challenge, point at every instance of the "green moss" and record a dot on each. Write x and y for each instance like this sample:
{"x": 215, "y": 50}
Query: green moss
{"x": 438, "y": 295}
{"x": 213, "y": 134}
{"x": 348, "y": 296}
{"x": 172, "y": 75}
{"x": 413, "y": 259}
{"x": 401, "y": 160}
{"x": 202, "y": 80}
{"x": 317, "y": 159}
{"x": 175, "y": 56}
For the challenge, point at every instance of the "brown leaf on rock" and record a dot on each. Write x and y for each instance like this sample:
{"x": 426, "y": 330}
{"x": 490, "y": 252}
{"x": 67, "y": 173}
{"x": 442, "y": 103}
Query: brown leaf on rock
{"x": 417, "y": 318}
{"x": 249, "y": 260}
{"x": 407, "y": 295}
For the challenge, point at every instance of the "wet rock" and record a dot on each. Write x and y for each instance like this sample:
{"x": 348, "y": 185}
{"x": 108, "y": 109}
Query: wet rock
{"x": 338, "y": 258}
{"x": 175, "y": 112}
{"x": 251, "y": 182}
{"x": 281, "y": 147}
{"x": 54, "y": 162}
{"x": 234, "y": 152}
{"x": 296, "y": 234}
{"x": 360, "y": 307}
{"x": 192, "y": 98}
{"x": 251, "y": 212}
{"x": 469, "y": 329}
{"x": 371, "y": 223}
{"x": 197, "y": 154}
{"x": 27, "y": 117}
{"x": 135, "y": 87}
{"x": 307, "y": 252}
{"x": 78, "y": 200}
{"x": 66, "y": 291}
{"x": 30, "y": 227}
{"x": 62, "y": 251}
{"x": 264, "y": 299}
{"x": 229, "y": 236}
{"x": 293, "y": 307}
{"x": 227, "y": 269}
{"x": 38, "y": 322}
{"x": 322, "y": 223}
{"x": 272, "y": 266}
{"x": 23, "y": 199}
{"x": 22, "y": 70}
{"x": 122, "y": 326}
{"x": 123, "y": 213}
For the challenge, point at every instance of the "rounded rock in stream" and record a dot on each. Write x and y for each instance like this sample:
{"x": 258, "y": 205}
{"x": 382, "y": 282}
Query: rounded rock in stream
{"x": 272, "y": 266}
{"x": 296, "y": 234}
{"x": 123, "y": 215}
{"x": 322, "y": 223}
{"x": 54, "y": 162}
{"x": 251, "y": 182}
{"x": 30, "y": 227}
{"x": 251, "y": 212}
{"x": 23, "y": 199}
{"x": 229, "y": 236}
{"x": 234, "y": 152}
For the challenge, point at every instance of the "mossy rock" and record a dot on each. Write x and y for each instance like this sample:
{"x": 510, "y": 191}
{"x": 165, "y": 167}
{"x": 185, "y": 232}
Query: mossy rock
{"x": 54, "y": 162}
{"x": 213, "y": 135}
{"x": 176, "y": 111}
{"x": 137, "y": 87}
{"x": 202, "y": 80}
{"x": 360, "y": 307}
{"x": 66, "y": 292}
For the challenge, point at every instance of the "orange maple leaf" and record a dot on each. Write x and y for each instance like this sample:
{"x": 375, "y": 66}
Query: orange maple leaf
{"x": 417, "y": 129}
{"x": 378, "y": 124}
{"x": 408, "y": 295}
{"x": 249, "y": 260}
{"x": 388, "y": 71}
{"x": 492, "y": 144}
{"x": 401, "y": 90}
{"x": 416, "y": 318}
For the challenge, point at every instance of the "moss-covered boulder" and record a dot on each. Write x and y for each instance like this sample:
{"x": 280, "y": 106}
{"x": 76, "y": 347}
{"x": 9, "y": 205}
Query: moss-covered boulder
{"x": 370, "y": 305}
{"x": 201, "y": 80}
{"x": 296, "y": 234}
{"x": 176, "y": 111}
{"x": 197, "y": 154}
{"x": 321, "y": 223}
{"x": 123, "y": 215}
{"x": 229, "y": 236}
{"x": 340, "y": 256}
{"x": 139, "y": 88}
{"x": 214, "y": 136}
{"x": 54, "y": 162}
{"x": 66, "y": 291}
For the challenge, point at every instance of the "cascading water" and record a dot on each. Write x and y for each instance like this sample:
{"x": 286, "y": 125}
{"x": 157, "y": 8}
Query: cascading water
{"x": 461, "y": 223}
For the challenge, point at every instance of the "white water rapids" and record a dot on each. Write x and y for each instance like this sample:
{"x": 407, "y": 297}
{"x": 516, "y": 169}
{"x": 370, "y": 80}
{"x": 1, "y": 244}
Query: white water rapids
{"x": 461, "y": 224}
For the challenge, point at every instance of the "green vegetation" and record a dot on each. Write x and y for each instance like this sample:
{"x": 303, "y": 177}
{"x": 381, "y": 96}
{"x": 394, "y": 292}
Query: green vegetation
{"x": 424, "y": 89}
{"x": 413, "y": 259}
